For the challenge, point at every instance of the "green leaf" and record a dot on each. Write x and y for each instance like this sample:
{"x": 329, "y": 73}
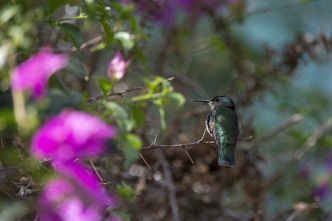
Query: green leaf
{"x": 59, "y": 101}
{"x": 54, "y": 4}
{"x": 74, "y": 33}
{"x": 162, "y": 120}
{"x": 138, "y": 115}
{"x": 130, "y": 149}
{"x": 76, "y": 67}
{"x": 105, "y": 85}
{"x": 125, "y": 191}
{"x": 178, "y": 98}
{"x": 139, "y": 54}
{"x": 108, "y": 32}
{"x": 134, "y": 141}
{"x": 121, "y": 116}
{"x": 8, "y": 12}
{"x": 154, "y": 84}
{"x": 7, "y": 121}
{"x": 125, "y": 39}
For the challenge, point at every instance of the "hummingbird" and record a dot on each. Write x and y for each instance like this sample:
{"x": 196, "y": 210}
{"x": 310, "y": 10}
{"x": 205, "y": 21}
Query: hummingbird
{"x": 222, "y": 124}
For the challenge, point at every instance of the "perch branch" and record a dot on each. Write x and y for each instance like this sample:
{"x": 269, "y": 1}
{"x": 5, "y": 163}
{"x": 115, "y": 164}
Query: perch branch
{"x": 156, "y": 146}
{"x": 245, "y": 146}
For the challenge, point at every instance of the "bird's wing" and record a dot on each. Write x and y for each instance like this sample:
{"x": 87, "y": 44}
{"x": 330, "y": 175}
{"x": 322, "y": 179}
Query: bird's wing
{"x": 208, "y": 123}
{"x": 210, "y": 127}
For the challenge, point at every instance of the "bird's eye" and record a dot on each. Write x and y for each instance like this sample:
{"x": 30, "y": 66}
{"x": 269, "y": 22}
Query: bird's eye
{"x": 217, "y": 99}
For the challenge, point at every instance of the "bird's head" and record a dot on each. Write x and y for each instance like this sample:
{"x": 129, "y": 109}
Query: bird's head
{"x": 217, "y": 101}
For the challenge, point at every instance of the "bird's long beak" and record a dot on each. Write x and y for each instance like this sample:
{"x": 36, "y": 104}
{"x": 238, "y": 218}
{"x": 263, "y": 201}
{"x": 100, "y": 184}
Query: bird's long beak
{"x": 199, "y": 100}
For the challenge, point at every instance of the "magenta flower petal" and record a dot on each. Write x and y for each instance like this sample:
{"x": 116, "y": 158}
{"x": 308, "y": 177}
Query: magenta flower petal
{"x": 72, "y": 135}
{"x": 322, "y": 191}
{"x": 34, "y": 73}
{"x": 89, "y": 183}
{"x": 66, "y": 200}
{"x": 117, "y": 66}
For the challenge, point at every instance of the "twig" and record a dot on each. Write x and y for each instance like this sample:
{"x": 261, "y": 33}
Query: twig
{"x": 299, "y": 154}
{"x": 188, "y": 155}
{"x": 88, "y": 43}
{"x": 289, "y": 122}
{"x": 301, "y": 207}
{"x": 193, "y": 85}
{"x": 24, "y": 189}
{"x": 115, "y": 93}
{"x": 311, "y": 141}
{"x": 146, "y": 163}
{"x": 277, "y": 8}
{"x": 122, "y": 92}
{"x": 170, "y": 186}
{"x": 94, "y": 168}
{"x": 295, "y": 213}
{"x": 155, "y": 146}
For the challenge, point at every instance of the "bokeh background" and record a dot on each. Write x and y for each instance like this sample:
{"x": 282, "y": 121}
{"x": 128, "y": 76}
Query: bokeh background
{"x": 271, "y": 57}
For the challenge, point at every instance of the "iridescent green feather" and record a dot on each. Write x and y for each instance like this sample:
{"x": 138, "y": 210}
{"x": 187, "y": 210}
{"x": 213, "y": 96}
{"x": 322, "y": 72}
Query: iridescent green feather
{"x": 222, "y": 124}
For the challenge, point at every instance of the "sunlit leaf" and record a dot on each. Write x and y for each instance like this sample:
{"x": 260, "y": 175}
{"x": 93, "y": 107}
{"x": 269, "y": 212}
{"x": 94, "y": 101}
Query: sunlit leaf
{"x": 8, "y": 12}
{"x": 162, "y": 120}
{"x": 125, "y": 191}
{"x": 178, "y": 98}
{"x": 130, "y": 149}
{"x": 121, "y": 116}
{"x": 125, "y": 39}
{"x": 105, "y": 85}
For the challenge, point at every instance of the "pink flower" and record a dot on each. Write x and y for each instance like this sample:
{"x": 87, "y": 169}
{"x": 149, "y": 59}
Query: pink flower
{"x": 88, "y": 181}
{"x": 76, "y": 195}
{"x": 322, "y": 191}
{"x": 34, "y": 73}
{"x": 117, "y": 66}
{"x": 165, "y": 12}
{"x": 72, "y": 135}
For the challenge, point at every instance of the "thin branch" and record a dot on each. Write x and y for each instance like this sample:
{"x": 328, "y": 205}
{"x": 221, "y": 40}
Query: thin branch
{"x": 170, "y": 186}
{"x": 300, "y": 208}
{"x": 295, "y": 213}
{"x": 115, "y": 93}
{"x": 311, "y": 141}
{"x": 278, "y": 8}
{"x": 289, "y": 122}
{"x": 64, "y": 19}
{"x": 193, "y": 85}
{"x": 299, "y": 154}
{"x": 122, "y": 92}
{"x": 146, "y": 162}
{"x": 245, "y": 146}
{"x": 94, "y": 168}
{"x": 164, "y": 146}
{"x": 23, "y": 189}
{"x": 92, "y": 41}
{"x": 188, "y": 155}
